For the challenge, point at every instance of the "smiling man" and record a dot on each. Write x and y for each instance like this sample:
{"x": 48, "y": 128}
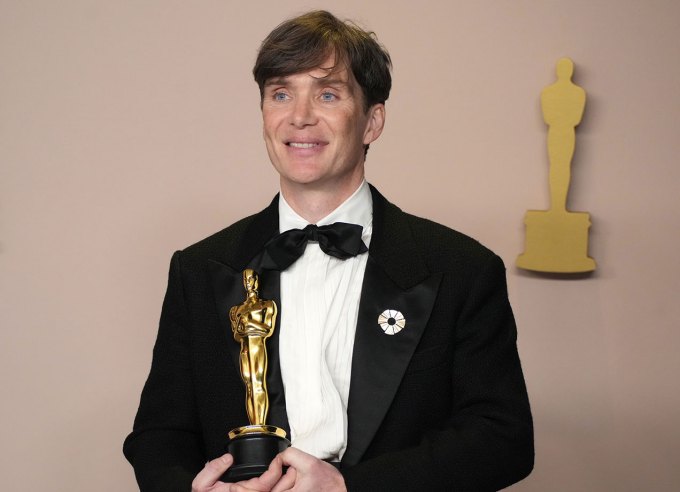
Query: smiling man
{"x": 394, "y": 364}
{"x": 316, "y": 129}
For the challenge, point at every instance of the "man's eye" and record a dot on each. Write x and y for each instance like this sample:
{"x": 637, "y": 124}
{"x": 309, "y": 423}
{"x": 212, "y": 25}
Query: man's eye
{"x": 327, "y": 96}
{"x": 280, "y": 96}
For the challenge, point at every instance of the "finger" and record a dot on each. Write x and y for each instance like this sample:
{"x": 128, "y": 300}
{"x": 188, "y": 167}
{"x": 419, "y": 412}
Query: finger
{"x": 267, "y": 480}
{"x": 287, "y": 482}
{"x": 211, "y": 473}
{"x": 239, "y": 487}
{"x": 311, "y": 473}
{"x": 297, "y": 459}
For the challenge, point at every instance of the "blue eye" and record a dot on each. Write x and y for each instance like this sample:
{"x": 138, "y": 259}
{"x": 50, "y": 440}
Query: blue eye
{"x": 280, "y": 96}
{"x": 327, "y": 96}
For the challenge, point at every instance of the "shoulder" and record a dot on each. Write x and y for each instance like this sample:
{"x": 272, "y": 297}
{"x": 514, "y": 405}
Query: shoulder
{"x": 220, "y": 243}
{"x": 440, "y": 241}
{"x": 426, "y": 244}
{"x": 238, "y": 242}
{"x": 452, "y": 252}
{"x": 440, "y": 246}
{"x": 224, "y": 239}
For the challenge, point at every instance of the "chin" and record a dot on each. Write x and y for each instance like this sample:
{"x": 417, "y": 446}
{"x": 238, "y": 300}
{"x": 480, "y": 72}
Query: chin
{"x": 307, "y": 181}
{"x": 306, "y": 176}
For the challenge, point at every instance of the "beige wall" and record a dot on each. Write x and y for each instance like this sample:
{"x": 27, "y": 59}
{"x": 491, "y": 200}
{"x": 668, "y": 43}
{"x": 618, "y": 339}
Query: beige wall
{"x": 127, "y": 126}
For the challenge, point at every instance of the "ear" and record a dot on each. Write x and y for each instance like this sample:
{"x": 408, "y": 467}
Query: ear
{"x": 375, "y": 123}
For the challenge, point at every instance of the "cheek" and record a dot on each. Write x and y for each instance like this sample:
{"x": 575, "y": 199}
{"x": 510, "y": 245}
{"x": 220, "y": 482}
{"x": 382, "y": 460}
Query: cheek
{"x": 352, "y": 128}
{"x": 269, "y": 134}
{"x": 270, "y": 121}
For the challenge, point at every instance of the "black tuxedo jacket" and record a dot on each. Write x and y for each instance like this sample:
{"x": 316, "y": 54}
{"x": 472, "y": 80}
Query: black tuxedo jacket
{"x": 441, "y": 405}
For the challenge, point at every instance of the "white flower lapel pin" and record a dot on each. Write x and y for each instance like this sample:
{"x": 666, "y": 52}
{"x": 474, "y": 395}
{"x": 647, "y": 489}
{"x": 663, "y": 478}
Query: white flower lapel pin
{"x": 391, "y": 321}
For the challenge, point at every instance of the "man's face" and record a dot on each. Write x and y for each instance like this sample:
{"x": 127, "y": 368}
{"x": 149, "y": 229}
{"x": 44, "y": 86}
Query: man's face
{"x": 315, "y": 128}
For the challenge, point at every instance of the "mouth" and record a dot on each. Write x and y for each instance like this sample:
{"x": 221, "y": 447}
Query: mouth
{"x": 303, "y": 145}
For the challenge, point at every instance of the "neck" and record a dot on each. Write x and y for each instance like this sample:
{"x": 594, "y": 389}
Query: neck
{"x": 313, "y": 204}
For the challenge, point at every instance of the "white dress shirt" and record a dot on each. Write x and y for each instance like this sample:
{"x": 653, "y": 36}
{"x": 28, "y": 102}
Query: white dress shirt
{"x": 318, "y": 318}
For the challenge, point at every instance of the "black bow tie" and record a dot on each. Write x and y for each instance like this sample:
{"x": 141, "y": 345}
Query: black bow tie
{"x": 340, "y": 240}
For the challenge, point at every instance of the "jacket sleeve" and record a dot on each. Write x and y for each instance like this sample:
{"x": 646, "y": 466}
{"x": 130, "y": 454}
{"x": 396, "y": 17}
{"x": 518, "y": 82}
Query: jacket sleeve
{"x": 486, "y": 443}
{"x": 165, "y": 447}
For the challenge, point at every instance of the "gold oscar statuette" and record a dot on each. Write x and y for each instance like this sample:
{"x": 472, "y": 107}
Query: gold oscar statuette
{"x": 557, "y": 239}
{"x": 254, "y": 446}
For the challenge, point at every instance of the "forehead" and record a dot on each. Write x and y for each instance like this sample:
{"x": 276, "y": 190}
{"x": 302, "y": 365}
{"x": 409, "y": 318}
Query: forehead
{"x": 326, "y": 73}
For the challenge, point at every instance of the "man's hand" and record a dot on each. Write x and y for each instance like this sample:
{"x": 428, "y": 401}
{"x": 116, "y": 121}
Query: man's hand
{"x": 308, "y": 474}
{"x": 208, "y": 479}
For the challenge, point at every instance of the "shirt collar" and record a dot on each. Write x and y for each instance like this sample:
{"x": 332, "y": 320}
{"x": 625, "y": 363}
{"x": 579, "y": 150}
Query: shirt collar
{"x": 357, "y": 209}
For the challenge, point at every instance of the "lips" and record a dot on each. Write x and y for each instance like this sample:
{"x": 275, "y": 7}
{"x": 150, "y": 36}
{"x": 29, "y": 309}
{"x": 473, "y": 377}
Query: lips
{"x": 303, "y": 145}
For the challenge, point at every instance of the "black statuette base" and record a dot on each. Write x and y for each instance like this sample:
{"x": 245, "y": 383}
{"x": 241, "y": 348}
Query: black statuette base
{"x": 252, "y": 455}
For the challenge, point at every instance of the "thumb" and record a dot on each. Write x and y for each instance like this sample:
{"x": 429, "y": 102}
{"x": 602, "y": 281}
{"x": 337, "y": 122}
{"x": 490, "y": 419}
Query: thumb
{"x": 211, "y": 473}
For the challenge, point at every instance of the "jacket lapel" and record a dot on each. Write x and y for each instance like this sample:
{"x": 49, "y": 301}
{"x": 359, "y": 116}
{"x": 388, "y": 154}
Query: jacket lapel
{"x": 226, "y": 276}
{"x": 396, "y": 279}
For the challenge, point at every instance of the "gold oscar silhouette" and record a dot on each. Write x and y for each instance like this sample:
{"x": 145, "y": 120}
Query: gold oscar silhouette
{"x": 556, "y": 239}
{"x": 254, "y": 446}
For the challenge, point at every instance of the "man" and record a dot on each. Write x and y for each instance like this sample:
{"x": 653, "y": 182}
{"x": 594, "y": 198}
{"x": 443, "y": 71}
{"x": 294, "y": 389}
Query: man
{"x": 394, "y": 369}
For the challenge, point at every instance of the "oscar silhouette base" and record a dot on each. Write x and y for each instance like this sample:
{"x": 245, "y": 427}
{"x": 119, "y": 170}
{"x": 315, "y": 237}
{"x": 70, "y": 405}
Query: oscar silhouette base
{"x": 252, "y": 454}
{"x": 556, "y": 242}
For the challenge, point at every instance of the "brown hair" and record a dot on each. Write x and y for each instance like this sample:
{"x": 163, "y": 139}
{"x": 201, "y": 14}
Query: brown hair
{"x": 305, "y": 42}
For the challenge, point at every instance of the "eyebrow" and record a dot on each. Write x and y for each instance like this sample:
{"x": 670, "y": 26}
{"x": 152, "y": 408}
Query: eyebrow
{"x": 276, "y": 81}
{"x": 327, "y": 80}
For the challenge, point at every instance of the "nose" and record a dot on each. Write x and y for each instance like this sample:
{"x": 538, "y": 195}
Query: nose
{"x": 302, "y": 113}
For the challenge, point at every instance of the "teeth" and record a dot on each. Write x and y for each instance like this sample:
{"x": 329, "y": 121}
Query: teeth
{"x": 299, "y": 145}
